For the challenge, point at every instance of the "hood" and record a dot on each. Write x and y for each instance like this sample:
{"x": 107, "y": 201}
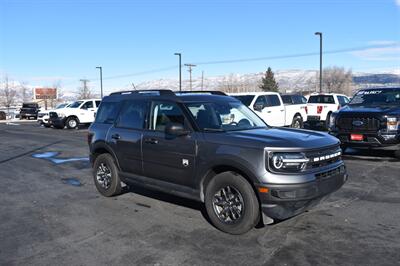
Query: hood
{"x": 365, "y": 110}
{"x": 278, "y": 138}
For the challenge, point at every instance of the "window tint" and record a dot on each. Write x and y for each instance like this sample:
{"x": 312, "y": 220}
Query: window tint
{"x": 98, "y": 104}
{"x": 132, "y": 115}
{"x": 287, "y": 99}
{"x": 163, "y": 113}
{"x": 87, "y": 105}
{"x": 245, "y": 99}
{"x": 261, "y": 101}
{"x": 321, "y": 99}
{"x": 273, "y": 100}
{"x": 107, "y": 113}
{"x": 303, "y": 99}
{"x": 342, "y": 100}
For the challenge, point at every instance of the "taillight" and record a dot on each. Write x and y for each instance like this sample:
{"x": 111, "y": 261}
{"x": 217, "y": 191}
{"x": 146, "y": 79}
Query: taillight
{"x": 319, "y": 109}
{"x": 306, "y": 109}
{"x": 338, "y": 107}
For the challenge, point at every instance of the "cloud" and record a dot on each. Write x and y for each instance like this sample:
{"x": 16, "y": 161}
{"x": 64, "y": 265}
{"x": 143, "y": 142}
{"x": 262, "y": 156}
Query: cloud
{"x": 389, "y": 52}
{"x": 397, "y": 2}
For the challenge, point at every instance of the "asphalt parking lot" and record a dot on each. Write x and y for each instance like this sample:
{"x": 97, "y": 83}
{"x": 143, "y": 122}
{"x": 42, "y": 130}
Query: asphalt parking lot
{"x": 51, "y": 213}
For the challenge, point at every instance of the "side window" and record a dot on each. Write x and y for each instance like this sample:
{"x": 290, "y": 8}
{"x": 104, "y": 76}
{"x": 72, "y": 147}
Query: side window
{"x": 132, "y": 115}
{"x": 87, "y": 105}
{"x": 303, "y": 99}
{"x": 287, "y": 99}
{"x": 107, "y": 113}
{"x": 98, "y": 104}
{"x": 273, "y": 100}
{"x": 342, "y": 100}
{"x": 163, "y": 113}
{"x": 261, "y": 101}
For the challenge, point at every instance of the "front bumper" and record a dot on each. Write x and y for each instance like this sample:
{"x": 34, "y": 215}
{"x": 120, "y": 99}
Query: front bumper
{"x": 286, "y": 200}
{"x": 388, "y": 141}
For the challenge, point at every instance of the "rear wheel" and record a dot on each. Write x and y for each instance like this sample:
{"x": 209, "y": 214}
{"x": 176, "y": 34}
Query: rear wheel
{"x": 231, "y": 203}
{"x": 297, "y": 122}
{"x": 106, "y": 176}
{"x": 72, "y": 122}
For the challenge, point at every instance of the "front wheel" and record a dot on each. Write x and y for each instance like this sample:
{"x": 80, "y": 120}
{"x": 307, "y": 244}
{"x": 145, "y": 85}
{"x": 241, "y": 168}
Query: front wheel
{"x": 231, "y": 203}
{"x": 72, "y": 123}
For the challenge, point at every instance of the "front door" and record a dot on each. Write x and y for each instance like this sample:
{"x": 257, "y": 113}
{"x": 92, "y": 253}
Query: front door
{"x": 274, "y": 110}
{"x": 87, "y": 112}
{"x": 165, "y": 157}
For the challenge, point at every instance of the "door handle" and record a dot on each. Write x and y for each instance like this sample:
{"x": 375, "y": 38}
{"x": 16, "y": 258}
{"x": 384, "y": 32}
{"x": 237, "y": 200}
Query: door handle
{"x": 268, "y": 112}
{"x": 151, "y": 141}
{"x": 115, "y": 136}
{"x": 282, "y": 110}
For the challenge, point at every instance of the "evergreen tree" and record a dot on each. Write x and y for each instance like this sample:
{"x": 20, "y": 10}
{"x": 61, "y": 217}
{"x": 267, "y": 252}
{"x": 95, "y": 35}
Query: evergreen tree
{"x": 268, "y": 82}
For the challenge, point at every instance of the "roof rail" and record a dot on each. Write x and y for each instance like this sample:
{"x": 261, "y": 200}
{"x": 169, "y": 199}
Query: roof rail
{"x": 205, "y": 92}
{"x": 160, "y": 92}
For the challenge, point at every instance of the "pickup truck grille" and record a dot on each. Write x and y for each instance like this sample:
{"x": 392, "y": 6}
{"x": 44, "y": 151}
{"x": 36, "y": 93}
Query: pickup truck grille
{"x": 355, "y": 123}
{"x": 53, "y": 115}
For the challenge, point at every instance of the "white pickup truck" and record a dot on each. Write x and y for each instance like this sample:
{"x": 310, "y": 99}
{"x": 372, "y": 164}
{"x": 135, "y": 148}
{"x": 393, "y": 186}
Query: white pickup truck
{"x": 271, "y": 108}
{"x": 79, "y": 112}
{"x": 320, "y": 106}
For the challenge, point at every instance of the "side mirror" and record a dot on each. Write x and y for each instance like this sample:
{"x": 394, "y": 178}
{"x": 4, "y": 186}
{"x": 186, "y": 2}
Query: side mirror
{"x": 258, "y": 107}
{"x": 175, "y": 129}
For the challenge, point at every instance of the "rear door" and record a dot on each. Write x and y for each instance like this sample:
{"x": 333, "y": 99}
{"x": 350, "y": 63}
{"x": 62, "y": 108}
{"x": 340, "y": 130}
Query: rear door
{"x": 168, "y": 158}
{"x": 126, "y": 136}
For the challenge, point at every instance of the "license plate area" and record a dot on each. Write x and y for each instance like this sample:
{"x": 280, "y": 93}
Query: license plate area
{"x": 356, "y": 137}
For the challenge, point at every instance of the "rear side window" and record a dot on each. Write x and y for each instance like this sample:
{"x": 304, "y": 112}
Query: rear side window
{"x": 107, "y": 113}
{"x": 132, "y": 115}
{"x": 287, "y": 99}
{"x": 273, "y": 100}
{"x": 321, "y": 99}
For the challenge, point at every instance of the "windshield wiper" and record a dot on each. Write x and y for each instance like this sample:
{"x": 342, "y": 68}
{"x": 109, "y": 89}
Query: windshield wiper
{"x": 213, "y": 129}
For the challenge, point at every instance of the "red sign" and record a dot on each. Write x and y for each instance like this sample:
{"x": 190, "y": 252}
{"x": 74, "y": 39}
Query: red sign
{"x": 357, "y": 137}
{"x": 45, "y": 93}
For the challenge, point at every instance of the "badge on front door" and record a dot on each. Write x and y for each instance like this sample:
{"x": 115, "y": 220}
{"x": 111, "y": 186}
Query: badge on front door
{"x": 185, "y": 162}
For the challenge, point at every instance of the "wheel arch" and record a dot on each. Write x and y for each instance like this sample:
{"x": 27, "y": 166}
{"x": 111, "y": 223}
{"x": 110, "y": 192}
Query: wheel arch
{"x": 101, "y": 148}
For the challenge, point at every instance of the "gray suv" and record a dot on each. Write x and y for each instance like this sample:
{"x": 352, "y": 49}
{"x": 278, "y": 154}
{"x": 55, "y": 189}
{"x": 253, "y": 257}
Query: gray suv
{"x": 211, "y": 148}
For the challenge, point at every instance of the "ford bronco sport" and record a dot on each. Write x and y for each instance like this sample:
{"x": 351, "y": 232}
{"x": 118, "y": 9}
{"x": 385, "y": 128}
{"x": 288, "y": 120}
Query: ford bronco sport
{"x": 212, "y": 148}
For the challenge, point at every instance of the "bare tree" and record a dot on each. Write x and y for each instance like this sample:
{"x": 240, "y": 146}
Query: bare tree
{"x": 7, "y": 94}
{"x": 84, "y": 91}
{"x": 26, "y": 93}
{"x": 338, "y": 80}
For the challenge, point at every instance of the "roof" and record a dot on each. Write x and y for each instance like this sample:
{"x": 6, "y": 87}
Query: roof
{"x": 183, "y": 96}
{"x": 255, "y": 93}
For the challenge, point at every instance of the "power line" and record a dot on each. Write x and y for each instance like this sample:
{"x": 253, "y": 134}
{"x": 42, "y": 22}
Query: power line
{"x": 190, "y": 66}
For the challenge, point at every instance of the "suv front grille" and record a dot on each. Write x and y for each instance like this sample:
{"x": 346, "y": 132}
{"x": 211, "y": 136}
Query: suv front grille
{"x": 53, "y": 115}
{"x": 323, "y": 157}
{"x": 358, "y": 123}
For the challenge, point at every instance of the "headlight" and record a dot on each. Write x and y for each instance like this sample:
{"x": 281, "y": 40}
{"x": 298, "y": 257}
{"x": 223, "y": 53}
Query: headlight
{"x": 287, "y": 162}
{"x": 392, "y": 123}
{"x": 60, "y": 115}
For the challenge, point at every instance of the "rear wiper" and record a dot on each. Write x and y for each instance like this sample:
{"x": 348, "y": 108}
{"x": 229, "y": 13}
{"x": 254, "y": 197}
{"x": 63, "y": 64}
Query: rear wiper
{"x": 213, "y": 129}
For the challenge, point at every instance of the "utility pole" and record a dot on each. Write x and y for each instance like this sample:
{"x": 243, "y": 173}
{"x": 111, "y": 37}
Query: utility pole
{"x": 320, "y": 60}
{"x": 190, "y": 66}
{"x": 85, "y": 87}
{"x": 180, "y": 70}
{"x": 202, "y": 80}
{"x": 101, "y": 81}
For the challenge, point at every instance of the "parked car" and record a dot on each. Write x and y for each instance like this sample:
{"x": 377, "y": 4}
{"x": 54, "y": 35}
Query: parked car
{"x": 371, "y": 120}
{"x": 213, "y": 149}
{"x": 43, "y": 115}
{"x": 270, "y": 107}
{"x": 320, "y": 107}
{"x": 294, "y": 101}
{"x": 29, "y": 110}
{"x": 79, "y": 112}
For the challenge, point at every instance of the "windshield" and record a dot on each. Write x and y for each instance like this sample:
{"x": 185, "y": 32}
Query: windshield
{"x": 245, "y": 99}
{"x": 62, "y": 105}
{"x": 321, "y": 99}
{"x": 75, "y": 104}
{"x": 377, "y": 97}
{"x": 29, "y": 105}
{"x": 224, "y": 116}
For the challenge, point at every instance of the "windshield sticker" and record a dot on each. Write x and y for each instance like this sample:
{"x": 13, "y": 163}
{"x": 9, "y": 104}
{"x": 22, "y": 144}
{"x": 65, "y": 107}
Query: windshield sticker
{"x": 369, "y": 92}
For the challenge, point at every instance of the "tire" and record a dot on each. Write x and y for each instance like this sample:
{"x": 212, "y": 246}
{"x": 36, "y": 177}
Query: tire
{"x": 72, "y": 122}
{"x": 110, "y": 185}
{"x": 328, "y": 117}
{"x": 246, "y": 209}
{"x": 297, "y": 122}
{"x": 46, "y": 125}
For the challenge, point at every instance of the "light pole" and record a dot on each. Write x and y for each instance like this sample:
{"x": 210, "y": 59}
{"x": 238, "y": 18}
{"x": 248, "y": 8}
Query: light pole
{"x": 180, "y": 70}
{"x": 101, "y": 80}
{"x": 320, "y": 60}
